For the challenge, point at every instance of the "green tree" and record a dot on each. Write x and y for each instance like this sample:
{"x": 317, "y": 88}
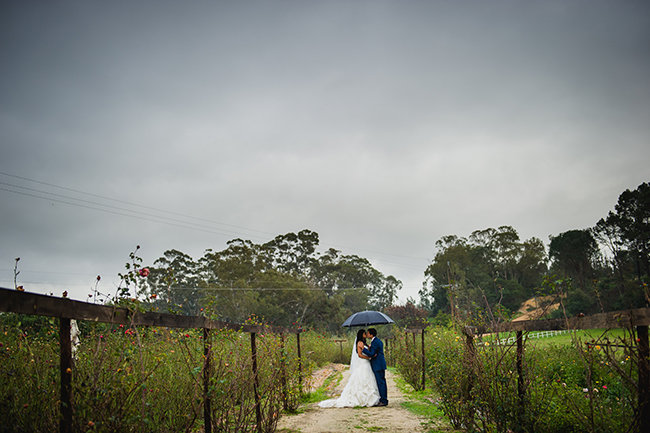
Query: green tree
{"x": 573, "y": 254}
{"x": 632, "y": 220}
{"x": 176, "y": 282}
{"x": 293, "y": 253}
{"x": 493, "y": 267}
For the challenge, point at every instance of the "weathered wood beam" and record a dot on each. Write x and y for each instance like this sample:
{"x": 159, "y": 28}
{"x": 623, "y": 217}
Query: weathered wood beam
{"x": 14, "y": 301}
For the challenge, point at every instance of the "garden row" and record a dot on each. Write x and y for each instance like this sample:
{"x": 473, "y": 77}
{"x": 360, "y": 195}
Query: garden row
{"x": 141, "y": 372}
{"x": 598, "y": 382}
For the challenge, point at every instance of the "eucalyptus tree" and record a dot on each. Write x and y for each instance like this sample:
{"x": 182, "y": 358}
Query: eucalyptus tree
{"x": 492, "y": 267}
{"x": 573, "y": 255}
{"x": 632, "y": 221}
{"x": 176, "y": 282}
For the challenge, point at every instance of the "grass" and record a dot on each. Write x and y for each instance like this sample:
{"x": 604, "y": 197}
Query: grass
{"x": 319, "y": 394}
{"x": 424, "y": 404}
{"x": 565, "y": 339}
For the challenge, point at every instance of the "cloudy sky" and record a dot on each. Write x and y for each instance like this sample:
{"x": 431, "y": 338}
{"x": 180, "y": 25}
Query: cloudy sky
{"x": 381, "y": 125}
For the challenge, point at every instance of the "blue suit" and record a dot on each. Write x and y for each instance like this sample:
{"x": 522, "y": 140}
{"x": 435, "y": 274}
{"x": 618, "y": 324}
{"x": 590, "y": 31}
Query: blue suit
{"x": 378, "y": 364}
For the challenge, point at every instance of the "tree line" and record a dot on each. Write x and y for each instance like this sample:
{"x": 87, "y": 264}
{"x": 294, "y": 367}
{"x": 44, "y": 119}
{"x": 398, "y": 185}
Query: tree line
{"x": 287, "y": 281}
{"x": 600, "y": 268}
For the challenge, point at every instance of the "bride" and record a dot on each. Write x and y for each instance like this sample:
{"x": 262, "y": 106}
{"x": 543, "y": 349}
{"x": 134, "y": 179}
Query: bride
{"x": 361, "y": 389}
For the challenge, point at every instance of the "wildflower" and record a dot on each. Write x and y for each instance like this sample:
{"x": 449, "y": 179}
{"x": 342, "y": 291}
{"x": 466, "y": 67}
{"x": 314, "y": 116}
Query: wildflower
{"x": 597, "y": 347}
{"x": 585, "y": 389}
{"x": 604, "y": 386}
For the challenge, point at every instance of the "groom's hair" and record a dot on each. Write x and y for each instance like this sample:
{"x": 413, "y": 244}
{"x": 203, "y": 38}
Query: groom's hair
{"x": 372, "y": 331}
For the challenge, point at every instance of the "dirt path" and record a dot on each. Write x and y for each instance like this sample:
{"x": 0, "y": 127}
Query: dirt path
{"x": 392, "y": 418}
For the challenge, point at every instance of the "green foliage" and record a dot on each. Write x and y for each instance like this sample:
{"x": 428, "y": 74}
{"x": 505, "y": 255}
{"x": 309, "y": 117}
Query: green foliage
{"x": 573, "y": 254}
{"x": 285, "y": 281}
{"x": 585, "y": 385}
{"x": 493, "y": 267}
{"x": 150, "y": 379}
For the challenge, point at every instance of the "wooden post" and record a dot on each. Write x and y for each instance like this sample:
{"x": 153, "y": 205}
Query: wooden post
{"x": 65, "y": 420}
{"x": 470, "y": 365}
{"x": 644, "y": 379}
{"x": 424, "y": 371}
{"x": 299, "y": 362}
{"x": 520, "y": 366}
{"x": 521, "y": 390}
{"x": 207, "y": 352}
{"x": 258, "y": 408}
{"x": 387, "y": 351}
{"x": 283, "y": 374}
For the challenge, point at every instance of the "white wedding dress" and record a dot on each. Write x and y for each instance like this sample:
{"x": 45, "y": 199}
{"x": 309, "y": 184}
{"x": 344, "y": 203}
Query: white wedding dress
{"x": 361, "y": 389}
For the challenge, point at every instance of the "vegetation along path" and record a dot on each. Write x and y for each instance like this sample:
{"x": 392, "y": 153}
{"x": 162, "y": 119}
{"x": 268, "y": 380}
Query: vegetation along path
{"x": 392, "y": 418}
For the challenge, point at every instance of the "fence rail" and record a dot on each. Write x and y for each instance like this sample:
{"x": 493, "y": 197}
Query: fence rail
{"x": 638, "y": 318}
{"x": 541, "y": 334}
{"x": 13, "y": 301}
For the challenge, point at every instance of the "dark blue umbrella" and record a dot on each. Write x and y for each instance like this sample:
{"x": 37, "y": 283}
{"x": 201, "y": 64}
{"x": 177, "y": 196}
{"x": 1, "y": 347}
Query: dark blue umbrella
{"x": 365, "y": 318}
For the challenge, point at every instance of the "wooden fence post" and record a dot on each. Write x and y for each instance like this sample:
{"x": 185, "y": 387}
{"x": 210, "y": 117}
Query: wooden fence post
{"x": 644, "y": 379}
{"x": 424, "y": 371}
{"x": 207, "y": 352}
{"x": 520, "y": 367}
{"x": 521, "y": 391}
{"x": 470, "y": 366}
{"x": 283, "y": 374}
{"x": 65, "y": 420}
{"x": 258, "y": 408}
{"x": 299, "y": 362}
{"x": 387, "y": 351}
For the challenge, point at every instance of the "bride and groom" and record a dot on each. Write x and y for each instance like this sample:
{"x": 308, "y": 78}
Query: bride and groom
{"x": 367, "y": 383}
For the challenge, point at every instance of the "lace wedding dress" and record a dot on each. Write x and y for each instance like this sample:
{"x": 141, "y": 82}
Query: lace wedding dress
{"x": 361, "y": 389}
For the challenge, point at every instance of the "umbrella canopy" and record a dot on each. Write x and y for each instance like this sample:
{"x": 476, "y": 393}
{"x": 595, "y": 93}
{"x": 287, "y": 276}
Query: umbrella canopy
{"x": 365, "y": 318}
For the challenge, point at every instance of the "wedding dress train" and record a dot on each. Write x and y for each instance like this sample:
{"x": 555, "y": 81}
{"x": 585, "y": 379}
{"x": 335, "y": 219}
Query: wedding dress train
{"x": 361, "y": 389}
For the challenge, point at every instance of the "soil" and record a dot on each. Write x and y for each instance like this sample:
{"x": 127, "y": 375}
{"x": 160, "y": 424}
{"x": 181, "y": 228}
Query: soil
{"x": 391, "y": 418}
{"x": 536, "y": 307}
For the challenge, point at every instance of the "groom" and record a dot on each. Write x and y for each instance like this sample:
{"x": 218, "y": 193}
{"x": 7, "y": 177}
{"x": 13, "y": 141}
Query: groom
{"x": 378, "y": 364}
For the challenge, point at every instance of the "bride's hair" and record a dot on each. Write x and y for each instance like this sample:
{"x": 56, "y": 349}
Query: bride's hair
{"x": 360, "y": 335}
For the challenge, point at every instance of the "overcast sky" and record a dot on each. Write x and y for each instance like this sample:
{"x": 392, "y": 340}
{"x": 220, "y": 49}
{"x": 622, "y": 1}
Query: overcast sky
{"x": 381, "y": 125}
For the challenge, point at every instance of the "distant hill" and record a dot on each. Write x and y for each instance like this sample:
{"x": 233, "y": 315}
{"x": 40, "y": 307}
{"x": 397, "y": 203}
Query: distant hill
{"x": 537, "y": 307}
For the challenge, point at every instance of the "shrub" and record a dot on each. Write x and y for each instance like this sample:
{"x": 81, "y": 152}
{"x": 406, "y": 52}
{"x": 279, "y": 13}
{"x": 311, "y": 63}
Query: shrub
{"x": 147, "y": 379}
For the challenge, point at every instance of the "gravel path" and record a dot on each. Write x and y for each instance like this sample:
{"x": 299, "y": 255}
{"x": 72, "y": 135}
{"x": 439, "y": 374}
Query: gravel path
{"x": 392, "y": 418}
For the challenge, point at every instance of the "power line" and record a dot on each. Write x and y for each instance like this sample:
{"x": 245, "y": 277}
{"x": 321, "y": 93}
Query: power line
{"x": 130, "y": 203}
{"x": 154, "y": 219}
{"x": 147, "y": 216}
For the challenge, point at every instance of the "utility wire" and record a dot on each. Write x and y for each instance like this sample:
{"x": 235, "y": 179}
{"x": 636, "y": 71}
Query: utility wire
{"x": 111, "y": 209}
{"x": 131, "y": 203}
{"x": 138, "y": 214}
